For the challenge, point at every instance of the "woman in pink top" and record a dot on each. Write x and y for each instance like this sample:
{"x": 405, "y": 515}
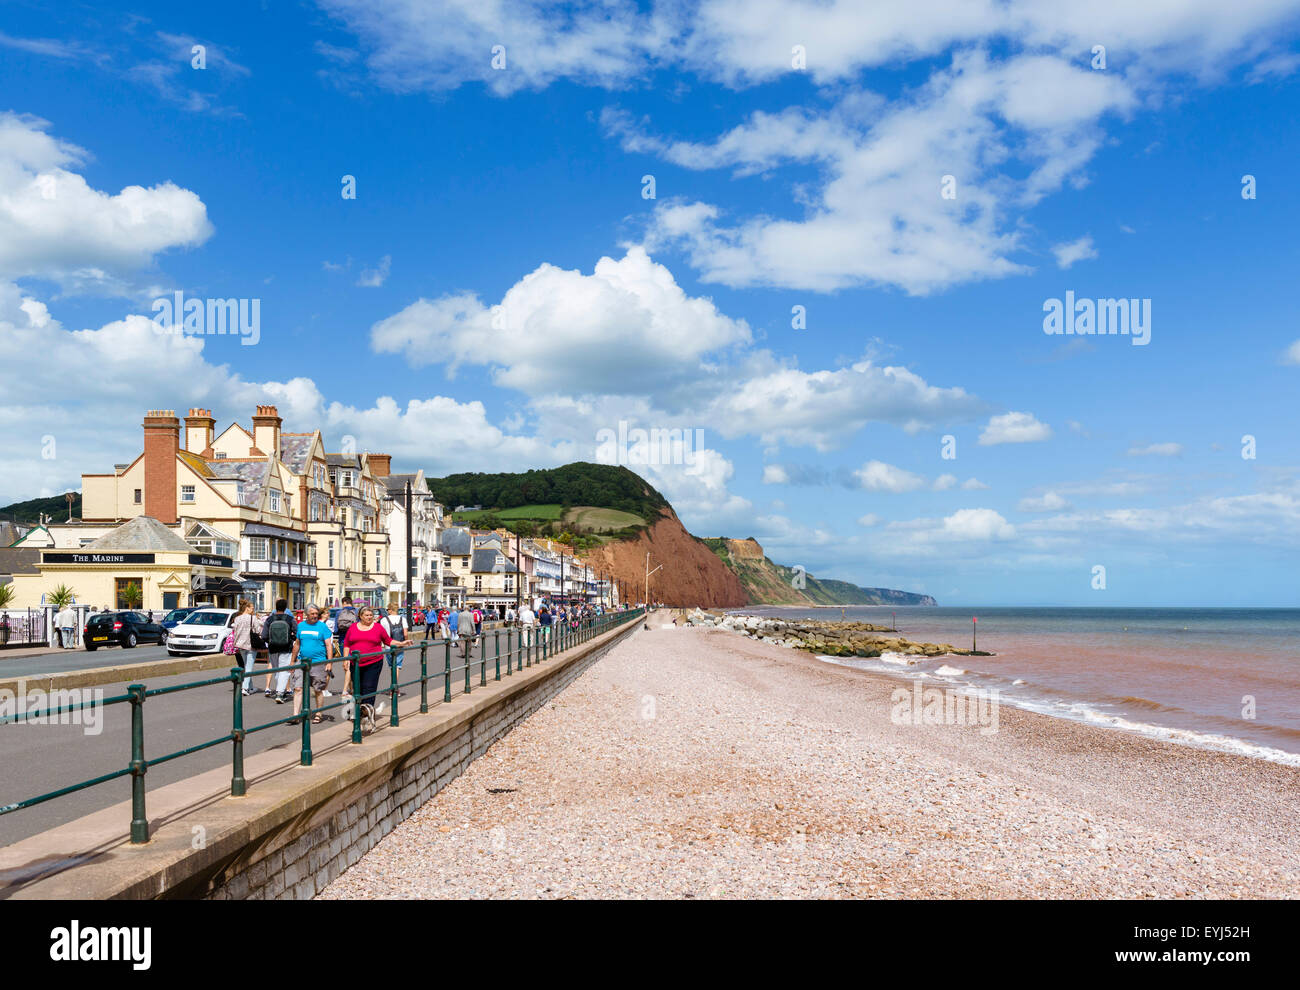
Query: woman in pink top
{"x": 366, "y": 636}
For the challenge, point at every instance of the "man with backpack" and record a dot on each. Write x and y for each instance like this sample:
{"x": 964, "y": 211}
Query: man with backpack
{"x": 280, "y": 631}
{"x": 347, "y": 615}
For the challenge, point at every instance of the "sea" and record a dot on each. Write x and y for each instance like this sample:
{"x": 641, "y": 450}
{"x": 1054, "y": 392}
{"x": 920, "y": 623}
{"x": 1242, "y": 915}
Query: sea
{"x": 1217, "y": 678}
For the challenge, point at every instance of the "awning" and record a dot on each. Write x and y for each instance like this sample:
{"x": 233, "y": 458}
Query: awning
{"x": 279, "y": 532}
{"x": 371, "y": 586}
{"x": 217, "y": 585}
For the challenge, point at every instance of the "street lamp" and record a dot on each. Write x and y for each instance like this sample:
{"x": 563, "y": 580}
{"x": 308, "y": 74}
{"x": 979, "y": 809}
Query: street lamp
{"x": 406, "y": 499}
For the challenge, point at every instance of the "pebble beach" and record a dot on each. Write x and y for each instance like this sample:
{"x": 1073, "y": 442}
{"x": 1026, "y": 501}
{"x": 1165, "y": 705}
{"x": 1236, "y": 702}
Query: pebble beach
{"x": 698, "y": 763}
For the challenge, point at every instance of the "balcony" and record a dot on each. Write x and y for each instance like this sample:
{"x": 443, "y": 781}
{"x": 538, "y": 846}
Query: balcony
{"x": 277, "y": 568}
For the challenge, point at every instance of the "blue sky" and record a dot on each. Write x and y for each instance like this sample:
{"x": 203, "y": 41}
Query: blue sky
{"x": 500, "y": 290}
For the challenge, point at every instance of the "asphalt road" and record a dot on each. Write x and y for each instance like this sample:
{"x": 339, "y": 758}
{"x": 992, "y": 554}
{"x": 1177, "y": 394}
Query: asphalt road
{"x": 36, "y": 759}
{"x": 78, "y": 659}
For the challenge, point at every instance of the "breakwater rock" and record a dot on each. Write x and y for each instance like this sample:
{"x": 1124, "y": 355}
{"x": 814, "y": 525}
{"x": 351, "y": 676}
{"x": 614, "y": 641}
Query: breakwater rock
{"x": 834, "y": 639}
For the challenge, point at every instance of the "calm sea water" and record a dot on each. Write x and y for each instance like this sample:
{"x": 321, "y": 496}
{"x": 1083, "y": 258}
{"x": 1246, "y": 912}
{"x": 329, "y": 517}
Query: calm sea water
{"x": 1188, "y": 675}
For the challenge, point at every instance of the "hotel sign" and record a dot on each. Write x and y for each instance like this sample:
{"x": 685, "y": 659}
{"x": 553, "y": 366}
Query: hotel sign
{"x": 204, "y": 560}
{"x": 97, "y": 558}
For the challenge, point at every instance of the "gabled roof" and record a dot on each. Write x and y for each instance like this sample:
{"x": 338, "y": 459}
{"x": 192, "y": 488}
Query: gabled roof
{"x": 196, "y": 463}
{"x": 456, "y": 542}
{"x": 295, "y": 448}
{"x": 488, "y": 561}
{"x": 249, "y": 476}
{"x": 343, "y": 460}
{"x": 141, "y": 533}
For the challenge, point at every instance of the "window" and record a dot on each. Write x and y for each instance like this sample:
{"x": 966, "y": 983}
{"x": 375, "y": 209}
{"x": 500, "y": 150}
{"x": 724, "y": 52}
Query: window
{"x": 187, "y": 493}
{"x": 378, "y": 566}
{"x": 220, "y": 456}
{"x": 86, "y": 541}
{"x": 478, "y": 582}
{"x": 331, "y": 554}
{"x": 275, "y": 549}
{"x": 311, "y": 554}
{"x": 297, "y": 599}
{"x": 464, "y": 561}
{"x": 275, "y": 500}
{"x": 139, "y": 494}
{"x": 257, "y": 548}
{"x": 331, "y": 595}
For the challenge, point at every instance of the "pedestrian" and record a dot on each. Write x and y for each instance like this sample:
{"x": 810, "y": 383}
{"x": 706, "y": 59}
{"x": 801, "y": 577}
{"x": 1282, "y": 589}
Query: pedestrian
{"x": 450, "y": 620}
{"x": 478, "y": 621}
{"x": 279, "y": 633}
{"x": 396, "y": 629}
{"x": 466, "y": 630}
{"x": 347, "y": 615}
{"x": 242, "y": 631}
{"x": 368, "y": 637}
{"x": 313, "y": 643}
{"x": 430, "y": 622}
{"x": 65, "y": 620}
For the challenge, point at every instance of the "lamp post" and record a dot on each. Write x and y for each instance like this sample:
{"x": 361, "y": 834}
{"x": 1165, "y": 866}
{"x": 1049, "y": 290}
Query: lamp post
{"x": 648, "y": 572}
{"x": 407, "y": 502}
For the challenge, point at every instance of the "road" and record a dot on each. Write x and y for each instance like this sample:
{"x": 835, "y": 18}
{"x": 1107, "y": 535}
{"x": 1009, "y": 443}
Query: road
{"x": 37, "y": 759}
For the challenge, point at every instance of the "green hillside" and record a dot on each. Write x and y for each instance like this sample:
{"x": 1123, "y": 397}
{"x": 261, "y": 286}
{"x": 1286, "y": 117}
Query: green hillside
{"x": 56, "y": 507}
{"x": 600, "y": 486}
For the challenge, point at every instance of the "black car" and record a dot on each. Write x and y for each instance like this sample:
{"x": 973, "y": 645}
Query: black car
{"x": 124, "y": 629}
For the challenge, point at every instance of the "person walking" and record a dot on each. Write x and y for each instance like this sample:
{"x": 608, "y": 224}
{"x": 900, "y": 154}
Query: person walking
{"x": 367, "y": 637}
{"x": 478, "y": 621}
{"x": 279, "y": 633}
{"x": 313, "y": 643}
{"x": 396, "y": 628}
{"x": 65, "y": 620}
{"x": 242, "y": 631}
{"x": 346, "y": 617}
{"x": 466, "y": 631}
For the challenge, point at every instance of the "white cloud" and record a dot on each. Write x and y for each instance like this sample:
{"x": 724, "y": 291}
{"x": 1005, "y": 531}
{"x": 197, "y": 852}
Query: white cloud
{"x": 973, "y": 484}
{"x": 1157, "y": 450}
{"x": 775, "y": 474}
{"x": 54, "y": 226}
{"x": 1068, "y": 253}
{"x": 1292, "y": 354}
{"x": 877, "y": 476}
{"x": 373, "y": 278}
{"x": 1048, "y": 502}
{"x": 978, "y": 524}
{"x": 944, "y": 482}
{"x": 870, "y": 519}
{"x": 1014, "y": 427}
{"x": 563, "y": 331}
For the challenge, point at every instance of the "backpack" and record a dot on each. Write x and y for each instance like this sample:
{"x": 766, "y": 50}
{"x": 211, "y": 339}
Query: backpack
{"x": 345, "y": 619}
{"x": 279, "y": 634}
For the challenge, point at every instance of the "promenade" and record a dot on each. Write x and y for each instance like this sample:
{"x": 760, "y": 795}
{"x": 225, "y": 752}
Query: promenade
{"x": 697, "y": 763}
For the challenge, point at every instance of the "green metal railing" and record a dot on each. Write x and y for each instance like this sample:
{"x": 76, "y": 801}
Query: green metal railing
{"x": 532, "y": 646}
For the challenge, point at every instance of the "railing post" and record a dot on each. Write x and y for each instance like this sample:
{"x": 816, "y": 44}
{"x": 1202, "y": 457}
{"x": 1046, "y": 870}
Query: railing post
{"x": 304, "y": 758}
{"x": 139, "y": 823}
{"x": 356, "y": 696}
{"x": 424, "y": 676}
{"x": 446, "y": 677}
{"x": 482, "y": 663}
{"x": 238, "y": 786}
{"x": 497, "y": 637}
{"x": 393, "y": 653}
{"x": 469, "y": 653}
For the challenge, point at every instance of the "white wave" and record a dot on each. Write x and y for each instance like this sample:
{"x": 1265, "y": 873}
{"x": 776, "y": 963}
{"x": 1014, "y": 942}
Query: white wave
{"x": 946, "y": 671}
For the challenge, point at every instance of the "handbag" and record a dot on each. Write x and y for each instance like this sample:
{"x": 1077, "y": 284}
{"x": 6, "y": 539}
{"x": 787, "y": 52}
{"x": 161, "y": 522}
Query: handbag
{"x": 228, "y": 647}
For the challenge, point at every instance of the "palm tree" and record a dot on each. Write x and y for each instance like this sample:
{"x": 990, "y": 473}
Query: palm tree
{"x": 131, "y": 596}
{"x": 6, "y": 595}
{"x": 61, "y": 597}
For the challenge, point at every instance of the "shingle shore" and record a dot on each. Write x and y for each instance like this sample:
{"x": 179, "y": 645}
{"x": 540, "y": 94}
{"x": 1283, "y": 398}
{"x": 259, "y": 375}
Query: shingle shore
{"x": 699, "y": 763}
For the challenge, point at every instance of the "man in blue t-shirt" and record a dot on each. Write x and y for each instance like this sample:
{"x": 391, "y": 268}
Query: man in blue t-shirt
{"x": 313, "y": 642}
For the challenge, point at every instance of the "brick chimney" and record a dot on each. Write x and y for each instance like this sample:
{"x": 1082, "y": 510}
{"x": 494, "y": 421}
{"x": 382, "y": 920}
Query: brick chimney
{"x": 381, "y": 465}
{"x": 199, "y": 426}
{"x": 266, "y": 431}
{"x": 162, "y": 439}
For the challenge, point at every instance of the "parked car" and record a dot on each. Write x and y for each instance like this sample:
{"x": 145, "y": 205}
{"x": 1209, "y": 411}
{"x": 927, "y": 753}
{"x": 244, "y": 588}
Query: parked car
{"x": 125, "y": 629}
{"x": 202, "y": 631}
{"x": 177, "y": 615}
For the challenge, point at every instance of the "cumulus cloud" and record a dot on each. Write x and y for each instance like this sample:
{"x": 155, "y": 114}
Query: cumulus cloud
{"x": 978, "y": 524}
{"x": 775, "y": 474}
{"x": 627, "y": 313}
{"x": 877, "y": 476}
{"x": 54, "y": 226}
{"x": 1014, "y": 427}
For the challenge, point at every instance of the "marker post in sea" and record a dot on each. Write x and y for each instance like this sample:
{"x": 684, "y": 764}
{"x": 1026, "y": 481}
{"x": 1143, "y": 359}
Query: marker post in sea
{"x": 974, "y": 620}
